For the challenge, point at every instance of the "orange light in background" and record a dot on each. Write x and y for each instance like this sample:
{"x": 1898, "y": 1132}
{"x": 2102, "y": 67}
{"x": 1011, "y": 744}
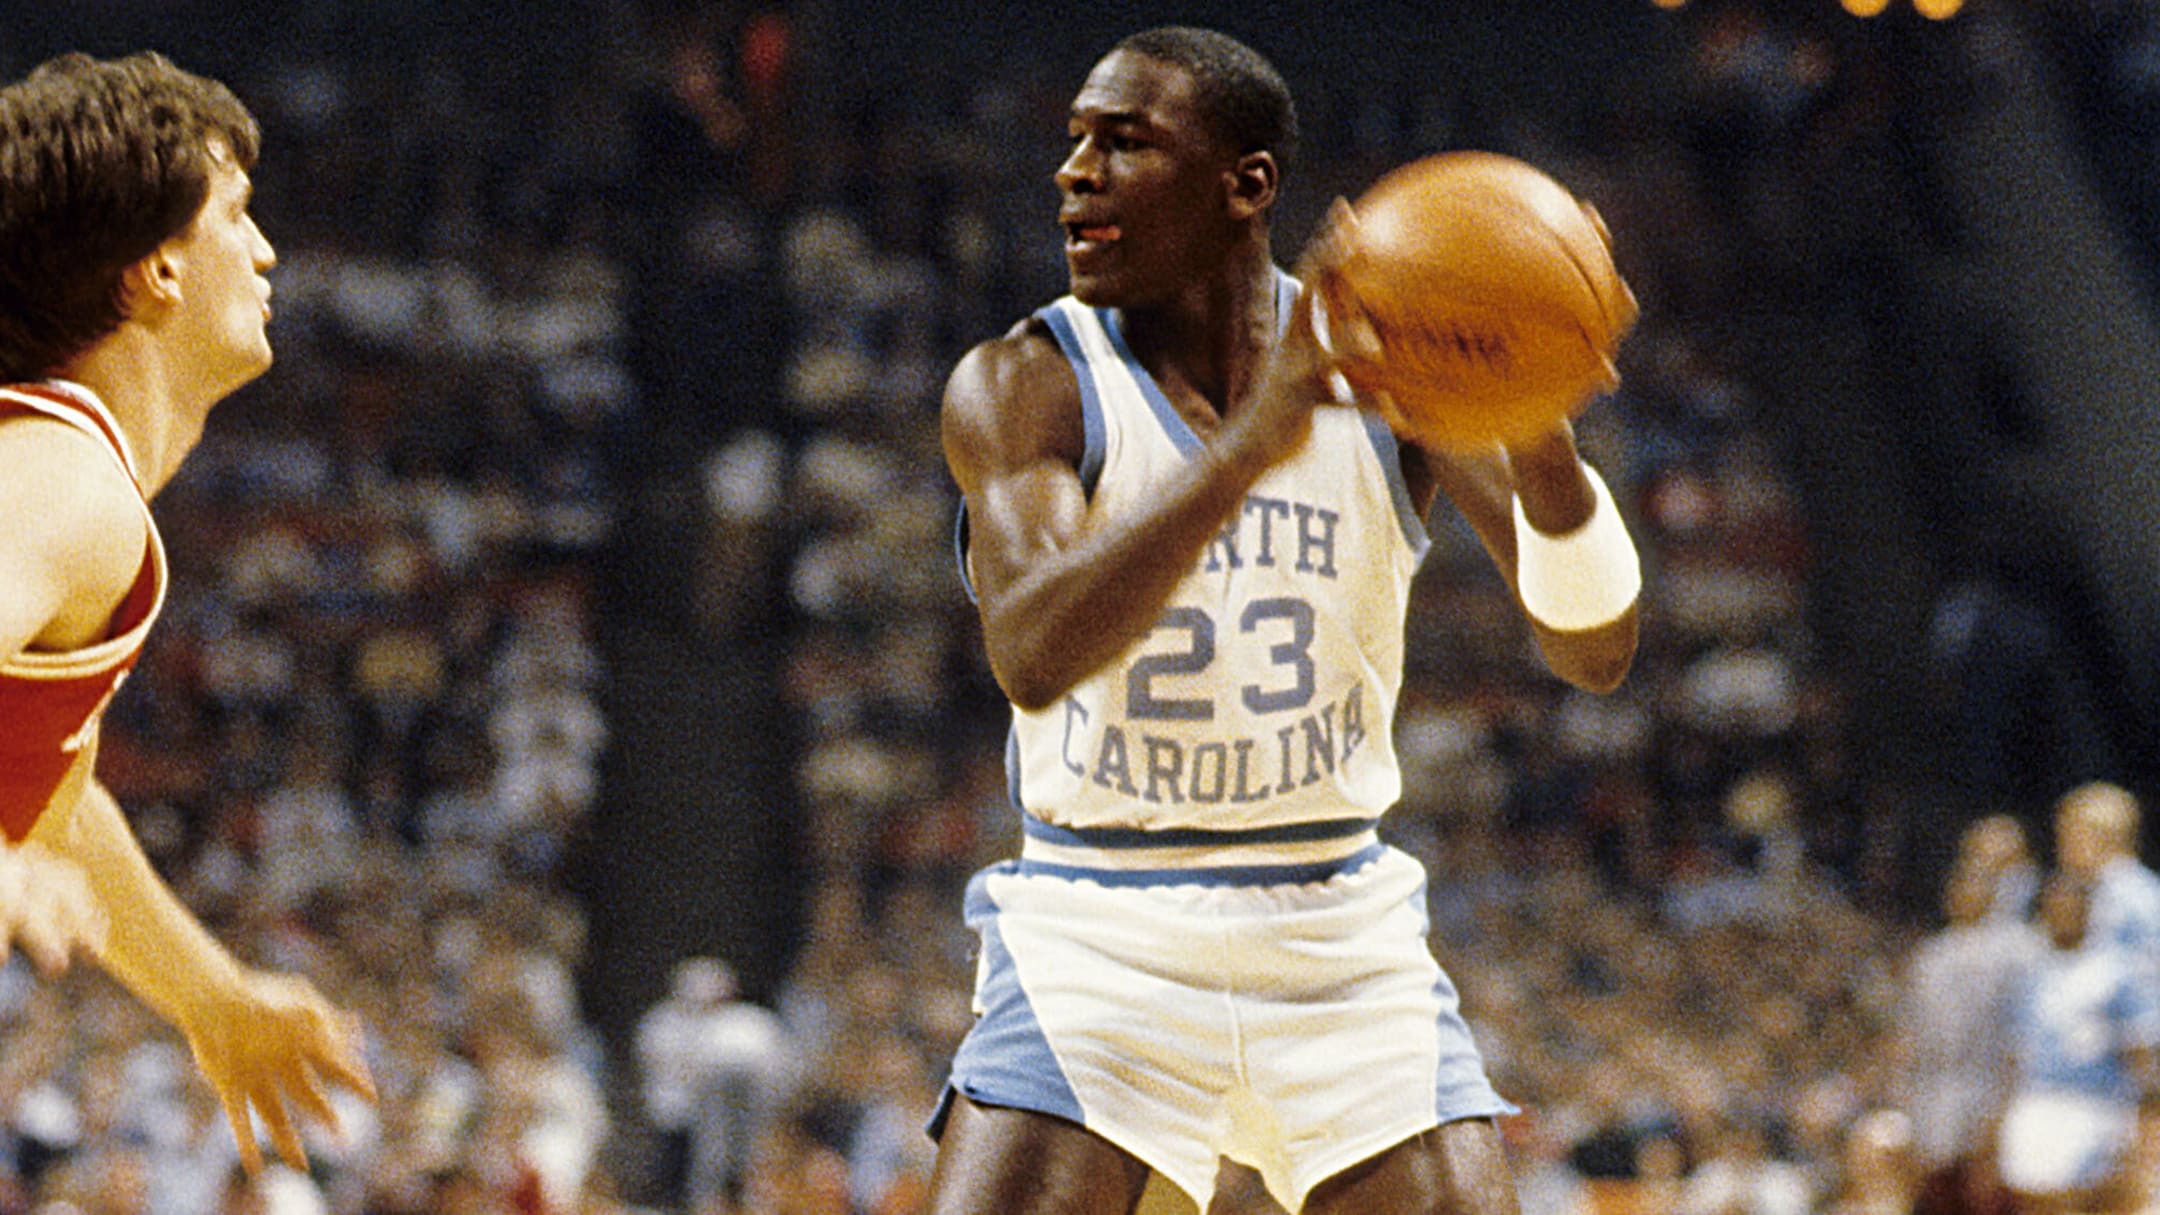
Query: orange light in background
{"x": 1933, "y": 10}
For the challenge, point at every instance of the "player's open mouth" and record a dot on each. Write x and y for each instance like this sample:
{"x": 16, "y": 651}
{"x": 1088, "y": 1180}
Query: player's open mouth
{"x": 1079, "y": 237}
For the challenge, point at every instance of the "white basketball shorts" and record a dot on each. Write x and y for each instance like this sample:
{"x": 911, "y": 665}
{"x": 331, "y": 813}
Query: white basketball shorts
{"x": 1291, "y": 1018}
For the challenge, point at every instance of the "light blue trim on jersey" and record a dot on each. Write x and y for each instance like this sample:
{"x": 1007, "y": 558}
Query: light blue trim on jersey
{"x": 1287, "y": 290}
{"x": 1173, "y": 423}
{"x": 1389, "y": 449}
{"x": 1184, "y": 837}
{"x": 1385, "y": 444}
{"x": 1297, "y": 874}
{"x": 1012, "y": 774}
{"x": 1094, "y": 427}
{"x": 959, "y": 543}
{"x": 1094, "y": 430}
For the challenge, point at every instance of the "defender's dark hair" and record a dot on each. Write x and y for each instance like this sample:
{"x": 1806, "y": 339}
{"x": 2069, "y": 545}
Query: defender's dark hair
{"x": 1242, "y": 94}
{"x": 101, "y": 161}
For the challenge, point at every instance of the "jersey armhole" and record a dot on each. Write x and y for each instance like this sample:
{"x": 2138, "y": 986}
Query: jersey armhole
{"x": 1094, "y": 431}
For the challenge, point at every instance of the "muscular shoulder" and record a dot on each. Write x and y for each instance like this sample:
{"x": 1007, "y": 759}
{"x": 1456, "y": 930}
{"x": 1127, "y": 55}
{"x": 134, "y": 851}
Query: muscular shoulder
{"x": 71, "y": 532}
{"x": 61, "y": 482}
{"x": 1011, "y": 401}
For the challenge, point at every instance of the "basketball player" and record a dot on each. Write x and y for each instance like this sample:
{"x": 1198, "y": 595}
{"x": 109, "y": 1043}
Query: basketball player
{"x": 132, "y": 299}
{"x": 1192, "y": 579}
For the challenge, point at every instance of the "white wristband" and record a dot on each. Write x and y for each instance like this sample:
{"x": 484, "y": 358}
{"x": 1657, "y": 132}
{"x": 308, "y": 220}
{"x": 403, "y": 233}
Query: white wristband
{"x": 1583, "y": 579}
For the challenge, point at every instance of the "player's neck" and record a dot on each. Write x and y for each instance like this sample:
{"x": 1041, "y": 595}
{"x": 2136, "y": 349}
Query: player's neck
{"x": 138, "y": 387}
{"x": 1214, "y": 335}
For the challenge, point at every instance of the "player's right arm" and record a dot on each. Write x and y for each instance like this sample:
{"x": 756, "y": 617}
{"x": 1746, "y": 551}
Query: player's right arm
{"x": 1059, "y": 597}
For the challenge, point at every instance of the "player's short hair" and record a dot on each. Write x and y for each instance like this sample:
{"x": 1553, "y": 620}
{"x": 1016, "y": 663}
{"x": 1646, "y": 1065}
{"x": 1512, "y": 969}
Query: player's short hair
{"x": 1241, "y": 94}
{"x": 101, "y": 161}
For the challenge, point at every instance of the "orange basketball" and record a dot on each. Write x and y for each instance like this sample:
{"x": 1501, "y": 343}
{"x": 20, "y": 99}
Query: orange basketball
{"x": 1493, "y": 296}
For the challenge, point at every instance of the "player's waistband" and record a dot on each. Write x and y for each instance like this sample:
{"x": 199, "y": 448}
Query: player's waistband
{"x": 1290, "y": 852}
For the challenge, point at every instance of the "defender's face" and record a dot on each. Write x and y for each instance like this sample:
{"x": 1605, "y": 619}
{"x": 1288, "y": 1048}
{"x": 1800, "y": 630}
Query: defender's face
{"x": 224, "y": 298}
{"x": 1145, "y": 186}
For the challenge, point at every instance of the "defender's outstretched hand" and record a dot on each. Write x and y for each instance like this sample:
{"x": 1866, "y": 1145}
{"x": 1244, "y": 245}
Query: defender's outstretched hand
{"x": 276, "y": 1045}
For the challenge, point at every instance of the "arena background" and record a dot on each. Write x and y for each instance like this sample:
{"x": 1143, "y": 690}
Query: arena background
{"x": 578, "y": 584}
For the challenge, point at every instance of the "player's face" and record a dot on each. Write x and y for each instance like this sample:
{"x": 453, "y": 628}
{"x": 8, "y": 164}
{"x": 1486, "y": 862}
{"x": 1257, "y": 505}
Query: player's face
{"x": 224, "y": 305}
{"x": 1145, "y": 185}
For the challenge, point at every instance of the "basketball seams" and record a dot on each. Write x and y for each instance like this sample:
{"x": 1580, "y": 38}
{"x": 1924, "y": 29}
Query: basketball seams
{"x": 1594, "y": 283}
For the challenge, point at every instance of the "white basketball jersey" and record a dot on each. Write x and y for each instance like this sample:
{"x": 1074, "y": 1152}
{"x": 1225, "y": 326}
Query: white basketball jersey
{"x": 1261, "y": 702}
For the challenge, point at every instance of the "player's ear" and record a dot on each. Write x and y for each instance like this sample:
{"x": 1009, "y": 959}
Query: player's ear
{"x": 1253, "y": 181}
{"x": 151, "y": 285}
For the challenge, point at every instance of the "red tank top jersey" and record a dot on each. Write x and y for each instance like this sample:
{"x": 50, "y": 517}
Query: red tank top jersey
{"x": 50, "y": 701}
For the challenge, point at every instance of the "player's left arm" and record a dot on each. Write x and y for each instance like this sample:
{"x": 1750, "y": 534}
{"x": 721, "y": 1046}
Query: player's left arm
{"x": 1580, "y": 585}
{"x": 266, "y": 1042}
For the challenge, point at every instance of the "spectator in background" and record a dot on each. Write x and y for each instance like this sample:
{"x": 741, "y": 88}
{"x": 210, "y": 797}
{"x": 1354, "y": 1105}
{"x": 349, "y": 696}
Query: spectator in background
{"x": 1738, "y": 1173}
{"x": 713, "y": 1068}
{"x": 1881, "y": 1175}
{"x": 2096, "y": 840}
{"x": 1995, "y": 850}
{"x": 2088, "y": 1064}
{"x": 1952, "y": 1047}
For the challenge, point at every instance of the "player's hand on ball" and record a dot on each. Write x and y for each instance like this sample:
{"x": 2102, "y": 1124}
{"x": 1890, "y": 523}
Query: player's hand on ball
{"x": 1343, "y": 328}
{"x": 1344, "y": 332}
{"x": 46, "y": 907}
{"x": 1277, "y": 416}
{"x": 273, "y": 1044}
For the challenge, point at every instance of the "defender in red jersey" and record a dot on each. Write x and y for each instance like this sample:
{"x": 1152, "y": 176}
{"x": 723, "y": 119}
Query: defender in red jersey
{"x": 132, "y": 300}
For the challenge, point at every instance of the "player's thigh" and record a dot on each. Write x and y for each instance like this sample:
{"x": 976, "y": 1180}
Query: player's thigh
{"x": 1457, "y": 1169}
{"x": 995, "y": 1160}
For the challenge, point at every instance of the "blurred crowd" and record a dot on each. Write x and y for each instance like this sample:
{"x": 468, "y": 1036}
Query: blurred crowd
{"x": 369, "y": 734}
